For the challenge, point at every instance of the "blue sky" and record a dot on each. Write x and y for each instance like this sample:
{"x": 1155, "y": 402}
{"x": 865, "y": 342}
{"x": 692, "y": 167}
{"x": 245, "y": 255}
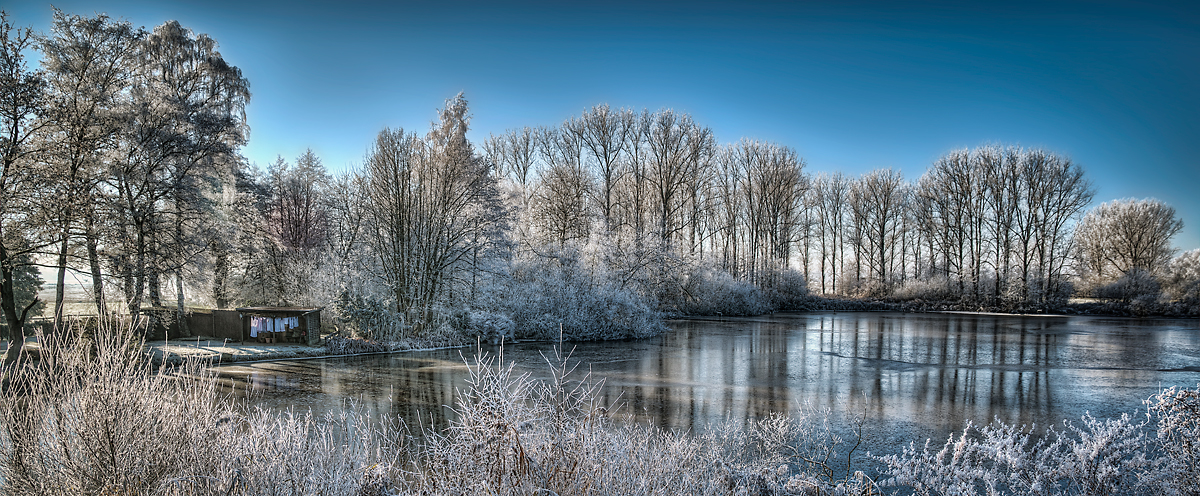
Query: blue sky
{"x": 852, "y": 86}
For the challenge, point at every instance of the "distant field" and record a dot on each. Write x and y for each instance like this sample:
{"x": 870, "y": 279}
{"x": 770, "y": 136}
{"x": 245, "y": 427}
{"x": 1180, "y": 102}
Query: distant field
{"x": 77, "y": 300}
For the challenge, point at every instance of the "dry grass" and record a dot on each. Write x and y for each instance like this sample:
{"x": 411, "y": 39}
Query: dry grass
{"x": 97, "y": 419}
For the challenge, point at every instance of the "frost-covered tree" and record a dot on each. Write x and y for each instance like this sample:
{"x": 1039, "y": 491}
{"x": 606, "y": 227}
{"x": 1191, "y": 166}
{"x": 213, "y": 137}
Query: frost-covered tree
{"x": 880, "y": 196}
{"x": 831, "y": 192}
{"x": 1121, "y": 236}
{"x": 88, "y": 62}
{"x": 183, "y": 120}
{"x": 562, "y": 204}
{"x": 430, "y": 203}
{"x": 604, "y": 132}
{"x": 297, "y": 216}
{"x": 22, "y": 178}
{"x": 678, "y": 148}
{"x": 1182, "y": 283}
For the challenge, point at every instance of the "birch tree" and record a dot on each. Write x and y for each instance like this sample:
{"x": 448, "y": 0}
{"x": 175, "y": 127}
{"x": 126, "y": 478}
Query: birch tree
{"x": 184, "y": 118}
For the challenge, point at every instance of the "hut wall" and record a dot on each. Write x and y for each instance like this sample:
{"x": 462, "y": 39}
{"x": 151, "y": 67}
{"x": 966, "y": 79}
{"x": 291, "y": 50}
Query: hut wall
{"x": 313, "y": 322}
{"x": 227, "y": 324}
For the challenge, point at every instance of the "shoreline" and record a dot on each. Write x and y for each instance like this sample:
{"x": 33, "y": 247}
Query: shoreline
{"x": 176, "y": 352}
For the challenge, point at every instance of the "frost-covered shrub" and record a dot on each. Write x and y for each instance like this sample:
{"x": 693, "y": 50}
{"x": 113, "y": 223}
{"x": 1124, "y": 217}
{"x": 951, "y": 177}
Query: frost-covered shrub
{"x": 864, "y": 288}
{"x": 341, "y": 345}
{"x": 366, "y": 315}
{"x": 97, "y": 419}
{"x": 1157, "y": 454}
{"x": 935, "y": 288}
{"x": 1181, "y": 285}
{"x": 1134, "y": 286}
{"x": 1176, "y": 413}
{"x": 1096, "y": 458}
{"x": 491, "y": 326}
{"x": 710, "y": 291}
{"x": 101, "y": 420}
{"x": 558, "y": 297}
{"x": 514, "y": 435}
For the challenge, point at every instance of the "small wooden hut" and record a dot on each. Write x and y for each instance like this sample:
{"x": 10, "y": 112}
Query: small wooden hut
{"x": 281, "y": 324}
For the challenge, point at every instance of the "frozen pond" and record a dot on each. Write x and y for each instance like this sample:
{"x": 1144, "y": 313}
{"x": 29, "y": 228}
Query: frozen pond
{"x": 913, "y": 376}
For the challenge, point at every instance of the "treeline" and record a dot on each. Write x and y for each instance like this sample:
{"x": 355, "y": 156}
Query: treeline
{"x": 990, "y": 227}
{"x": 120, "y": 162}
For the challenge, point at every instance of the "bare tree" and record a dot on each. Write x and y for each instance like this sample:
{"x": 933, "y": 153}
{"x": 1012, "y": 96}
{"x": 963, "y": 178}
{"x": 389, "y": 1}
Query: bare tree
{"x": 1056, "y": 192}
{"x": 297, "y": 216}
{"x": 770, "y": 183}
{"x": 678, "y": 147}
{"x": 832, "y": 191}
{"x": 1000, "y": 167}
{"x": 430, "y": 200}
{"x": 604, "y": 132}
{"x": 561, "y": 201}
{"x": 515, "y": 155}
{"x": 1119, "y": 237}
{"x": 879, "y": 195}
{"x": 22, "y": 233}
{"x": 634, "y": 188}
{"x": 88, "y": 62}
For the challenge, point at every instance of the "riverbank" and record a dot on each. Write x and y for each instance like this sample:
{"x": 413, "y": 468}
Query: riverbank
{"x": 219, "y": 352}
{"x": 1094, "y": 308}
{"x": 177, "y": 351}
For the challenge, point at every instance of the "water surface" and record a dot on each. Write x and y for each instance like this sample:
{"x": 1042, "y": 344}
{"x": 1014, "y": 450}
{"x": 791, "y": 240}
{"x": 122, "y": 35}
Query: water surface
{"x": 912, "y": 376}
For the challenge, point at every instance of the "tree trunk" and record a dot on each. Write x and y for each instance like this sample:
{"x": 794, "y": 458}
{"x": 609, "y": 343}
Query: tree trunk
{"x": 15, "y": 321}
{"x": 180, "y": 312}
{"x": 220, "y": 275}
{"x": 60, "y": 287}
{"x": 97, "y": 275}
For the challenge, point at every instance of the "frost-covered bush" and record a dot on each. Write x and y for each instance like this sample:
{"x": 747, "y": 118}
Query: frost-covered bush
{"x": 1096, "y": 458}
{"x": 99, "y": 419}
{"x": 491, "y": 326}
{"x": 552, "y": 297}
{"x": 95, "y": 420}
{"x": 514, "y": 435}
{"x": 1181, "y": 285}
{"x": 935, "y": 288}
{"x": 1134, "y": 286}
{"x": 1176, "y": 413}
{"x": 1157, "y": 454}
{"x": 366, "y": 315}
{"x": 341, "y": 345}
{"x": 711, "y": 291}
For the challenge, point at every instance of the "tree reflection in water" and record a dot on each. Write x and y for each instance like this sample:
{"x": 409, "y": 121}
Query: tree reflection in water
{"x": 913, "y": 376}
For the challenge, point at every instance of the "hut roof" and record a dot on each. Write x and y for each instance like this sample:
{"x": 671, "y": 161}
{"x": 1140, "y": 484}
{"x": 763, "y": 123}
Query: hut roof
{"x": 278, "y": 310}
